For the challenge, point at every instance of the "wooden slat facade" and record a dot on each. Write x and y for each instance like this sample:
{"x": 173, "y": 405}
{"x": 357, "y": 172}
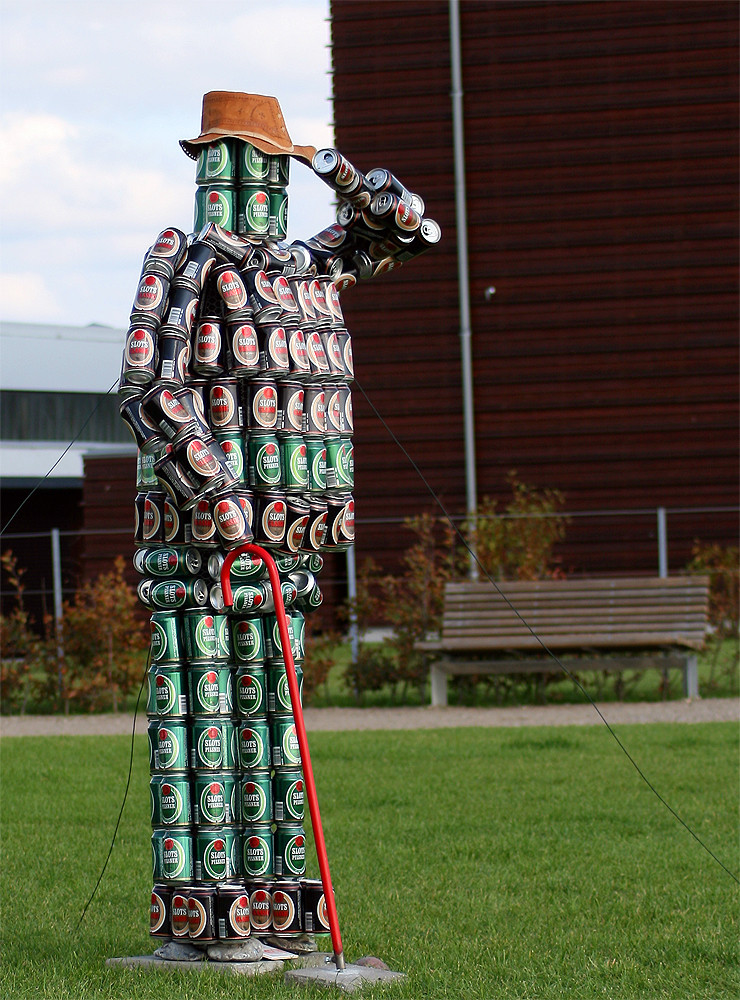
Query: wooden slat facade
{"x": 602, "y": 164}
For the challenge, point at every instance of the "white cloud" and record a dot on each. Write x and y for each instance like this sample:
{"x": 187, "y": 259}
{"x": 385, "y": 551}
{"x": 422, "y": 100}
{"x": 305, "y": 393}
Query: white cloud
{"x": 25, "y": 297}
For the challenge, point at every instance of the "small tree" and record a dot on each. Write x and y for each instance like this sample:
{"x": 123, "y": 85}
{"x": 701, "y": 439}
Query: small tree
{"x": 20, "y": 647}
{"x": 721, "y": 565}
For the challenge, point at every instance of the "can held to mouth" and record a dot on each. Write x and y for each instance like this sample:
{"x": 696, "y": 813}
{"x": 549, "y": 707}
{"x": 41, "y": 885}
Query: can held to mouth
{"x": 233, "y": 917}
{"x": 216, "y": 799}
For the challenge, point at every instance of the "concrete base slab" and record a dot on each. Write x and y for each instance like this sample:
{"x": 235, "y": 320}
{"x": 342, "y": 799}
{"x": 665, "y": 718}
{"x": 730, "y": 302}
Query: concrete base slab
{"x": 350, "y": 979}
{"x": 233, "y": 968}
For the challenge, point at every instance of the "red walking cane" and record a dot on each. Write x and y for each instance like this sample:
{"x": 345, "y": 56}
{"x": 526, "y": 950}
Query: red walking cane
{"x": 295, "y": 698}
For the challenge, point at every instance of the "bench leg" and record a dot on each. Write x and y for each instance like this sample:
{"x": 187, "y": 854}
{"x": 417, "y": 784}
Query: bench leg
{"x": 691, "y": 678}
{"x": 438, "y": 682}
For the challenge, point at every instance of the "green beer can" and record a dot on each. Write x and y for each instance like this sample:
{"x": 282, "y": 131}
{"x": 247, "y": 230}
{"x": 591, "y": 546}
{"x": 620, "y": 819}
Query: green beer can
{"x": 232, "y": 445}
{"x": 284, "y": 741}
{"x": 165, "y": 637}
{"x": 250, "y": 692}
{"x": 211, "y": 744}
{"x": 216, "y": 799}
{"x": 254, "y": 745}
{"x": 172, "y": 855}
{"x": 316, "y": 462}
{"x": 217, "y": 853}
{"x": 278, "y": 692}
{"x": 170, "y": 800}
{"x": 273, "y": 643}
{"x": 168, "y": 744}
{"x": 278, "y": 225}
{"x": 289, "y": 848}
{"x": 264, "y": 461}
{"x": 249, "y": 598}
{"x": 254, "y": 165}
{"x": 210, "y": 689}
{"x": 216, "y": 203}
{"x": 167, "y": 595}
{"x": 254, "y": 209}
{"x": 167, "y": 691}
{"x": 257, "y": 850}
{"x": 256, "y": 797}
{"x": 298, "y": 622}
{"x": 199, "y": 633}
{"x": 294, "y": 461}
{"x": 248, "y": 640}
{"x": 218, "y": 162}
{"x": 279, "y": 172}
{"x": 245, "y": 568}
{"x": 165, "y": 562}
{"x": 288, "y": 802}
{"x": 340, "y": 463}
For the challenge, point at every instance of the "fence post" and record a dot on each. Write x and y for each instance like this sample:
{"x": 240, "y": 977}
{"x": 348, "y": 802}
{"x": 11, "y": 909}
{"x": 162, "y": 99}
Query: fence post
{"x": 56, "y": 565}
{"x": 662, "y": 543}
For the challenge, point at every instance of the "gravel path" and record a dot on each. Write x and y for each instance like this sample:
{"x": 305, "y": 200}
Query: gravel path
{"x": 337, "y": 719}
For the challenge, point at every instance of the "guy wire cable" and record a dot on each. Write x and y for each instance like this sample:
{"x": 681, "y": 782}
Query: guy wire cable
{"x": 541, "y": 642}
{"x": 125, "y": 793}
{"x": 46, "y": 475}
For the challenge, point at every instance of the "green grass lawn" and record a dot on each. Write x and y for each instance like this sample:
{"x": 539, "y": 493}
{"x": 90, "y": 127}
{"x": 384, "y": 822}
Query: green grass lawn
{"x": 516, "y": 863}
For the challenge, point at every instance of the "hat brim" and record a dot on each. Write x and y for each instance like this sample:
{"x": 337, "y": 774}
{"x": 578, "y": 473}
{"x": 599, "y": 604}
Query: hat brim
{"x": 192, "y": 146}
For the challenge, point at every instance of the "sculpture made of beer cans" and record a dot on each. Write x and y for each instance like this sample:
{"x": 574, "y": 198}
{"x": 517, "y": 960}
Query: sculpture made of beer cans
{"x": 236, "y": 384}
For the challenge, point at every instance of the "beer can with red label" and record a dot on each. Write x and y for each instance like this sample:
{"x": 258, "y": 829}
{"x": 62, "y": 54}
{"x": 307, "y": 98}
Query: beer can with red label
{"x": 230, "y": 286}
{"x": 286, "y": 906}
{"x": 270, "y": 518}
{"x": 299, "y": 365}
{"x": 224, "y": 405}
{"x": 297, "y": 516}
{"x": 273, "y": 343}
{"x": 208, "y": 356}
{"x": 340, "y": 522}
{"x": 151, "y": 297}
{"x": 228, "y": 244}
{"x": 242, "y": 346}
{"x": 152, "y": 530}
{"x": 173, "y": 356}
{"x": 202, "y": 914}
{"x": 182, "y": 307}
{"x": 315, "y": 532}
{"x": 160, "y": 911}
{"x": 262, "y": 296}
{"x": 195, "y": 268}
{"x": 317, "y": 359}
{"x": 261, "y": 404}
{"x": 314, "y": 411}
{"x": 315, "y": 918}
{"x": 164, "y": 256}
{"x": 139, "y": 354}
{"x": 290, "y": 409}
{"x": 179, "y": 486}
{"x": 230, "y": 520}
{"x": 336, "y": 171}
{"x": 179, "y": 912}
{"x": 146, "y": 433}
{"x": 260, "y": 905}
{"x": 232, "y": 913}
{"x": 232, "y": 445}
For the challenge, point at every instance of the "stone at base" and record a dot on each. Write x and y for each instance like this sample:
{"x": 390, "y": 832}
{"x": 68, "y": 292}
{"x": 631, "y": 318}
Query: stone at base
{"x": 350, "y": 979}
{"x": 179, "y": 951}
{"x": 371, "y": 962}
{"x": 250, "y": 950}
{"x": 301, "y": 945}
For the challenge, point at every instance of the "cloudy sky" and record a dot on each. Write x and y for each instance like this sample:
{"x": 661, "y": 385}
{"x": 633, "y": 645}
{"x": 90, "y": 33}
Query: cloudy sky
{"x": 96, "y": 95}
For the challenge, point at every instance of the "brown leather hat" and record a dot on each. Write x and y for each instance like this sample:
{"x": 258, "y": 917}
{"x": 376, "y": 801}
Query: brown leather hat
{"x": 251, "y": 117}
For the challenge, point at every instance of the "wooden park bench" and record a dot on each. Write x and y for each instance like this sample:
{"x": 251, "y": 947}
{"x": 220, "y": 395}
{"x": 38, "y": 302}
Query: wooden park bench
{"x": 591, "y": 625}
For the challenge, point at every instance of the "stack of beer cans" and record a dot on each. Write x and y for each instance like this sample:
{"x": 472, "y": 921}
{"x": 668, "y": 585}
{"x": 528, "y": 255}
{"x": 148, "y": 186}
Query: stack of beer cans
{"x": 242, "y": 189}
{"x": 236, "y": 385}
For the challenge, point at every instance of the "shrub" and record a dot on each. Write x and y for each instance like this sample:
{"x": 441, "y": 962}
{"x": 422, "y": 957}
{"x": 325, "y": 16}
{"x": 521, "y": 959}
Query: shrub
{"x": 720, "y": 564}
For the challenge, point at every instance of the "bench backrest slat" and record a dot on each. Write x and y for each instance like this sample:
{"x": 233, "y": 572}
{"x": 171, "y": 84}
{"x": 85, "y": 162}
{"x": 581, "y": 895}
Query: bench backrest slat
{"x": 627, "y": 612}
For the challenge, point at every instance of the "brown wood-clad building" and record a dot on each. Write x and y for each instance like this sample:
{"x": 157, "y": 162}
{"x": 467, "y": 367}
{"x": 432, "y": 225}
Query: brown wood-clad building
{"x": 601, "y": 181}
